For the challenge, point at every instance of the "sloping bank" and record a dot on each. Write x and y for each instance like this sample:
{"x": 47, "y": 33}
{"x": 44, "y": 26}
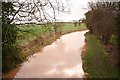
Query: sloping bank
{"x": 96, "y": 63}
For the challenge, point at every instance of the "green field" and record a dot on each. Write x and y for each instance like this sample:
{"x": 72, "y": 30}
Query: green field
{"x": 33, "y": 31}
{"x": 70, "y": 26}
{"x": 96, "y": 63}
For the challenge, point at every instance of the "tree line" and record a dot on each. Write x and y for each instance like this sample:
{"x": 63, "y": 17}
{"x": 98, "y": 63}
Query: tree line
{"x": 103, "y": 21}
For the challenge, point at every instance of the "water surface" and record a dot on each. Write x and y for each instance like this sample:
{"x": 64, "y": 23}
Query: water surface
{"x": 61, "y": 59}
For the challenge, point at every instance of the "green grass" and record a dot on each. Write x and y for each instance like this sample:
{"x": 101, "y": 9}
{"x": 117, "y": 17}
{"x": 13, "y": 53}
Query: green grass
{"x": 71, "y": 27}
{"x": 96, "y": 61}
{"x": 24, "y": 37}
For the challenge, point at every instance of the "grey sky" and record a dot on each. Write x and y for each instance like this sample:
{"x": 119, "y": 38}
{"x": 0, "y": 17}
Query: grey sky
{"x": 77, "y": 8}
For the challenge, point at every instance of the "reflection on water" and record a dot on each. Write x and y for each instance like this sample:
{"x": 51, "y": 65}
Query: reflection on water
{"x": 61, "y": 59}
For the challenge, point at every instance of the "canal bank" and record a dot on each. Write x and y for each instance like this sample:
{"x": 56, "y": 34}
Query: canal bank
{"x": 96, "y": 61}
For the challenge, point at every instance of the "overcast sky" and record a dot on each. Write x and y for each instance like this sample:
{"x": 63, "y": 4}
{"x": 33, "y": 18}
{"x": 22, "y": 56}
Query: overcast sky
{"x": 77, "y": 8}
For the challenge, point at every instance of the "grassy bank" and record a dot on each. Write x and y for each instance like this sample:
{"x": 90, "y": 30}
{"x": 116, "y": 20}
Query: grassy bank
{"x": 96, "y": 63}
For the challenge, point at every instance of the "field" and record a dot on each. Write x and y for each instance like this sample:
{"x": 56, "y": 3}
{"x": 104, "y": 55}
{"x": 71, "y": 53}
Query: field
{"x": 70, "y": 26}
{"x": 30, "y": 32}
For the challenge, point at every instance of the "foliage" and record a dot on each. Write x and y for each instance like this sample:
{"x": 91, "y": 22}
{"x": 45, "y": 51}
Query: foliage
{"x": 10, "y": 55}
{"x": 118, "y": 27}
{"x": 97, "y": 63}
{"x": 101, "y": 20}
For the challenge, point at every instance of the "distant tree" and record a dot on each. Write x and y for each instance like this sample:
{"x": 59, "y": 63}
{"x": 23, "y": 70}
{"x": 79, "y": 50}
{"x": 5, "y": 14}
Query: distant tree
{"x": 75, "y": 23}
{"x": 79, "y": 21}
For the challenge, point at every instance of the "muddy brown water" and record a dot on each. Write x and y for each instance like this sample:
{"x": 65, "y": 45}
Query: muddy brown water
{"x": 61, "y": 59}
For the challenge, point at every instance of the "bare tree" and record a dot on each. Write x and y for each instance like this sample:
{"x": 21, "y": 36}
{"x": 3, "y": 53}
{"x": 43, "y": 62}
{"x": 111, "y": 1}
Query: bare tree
{"x": 101, "y": 20}
{"x": 37, "y": 10}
